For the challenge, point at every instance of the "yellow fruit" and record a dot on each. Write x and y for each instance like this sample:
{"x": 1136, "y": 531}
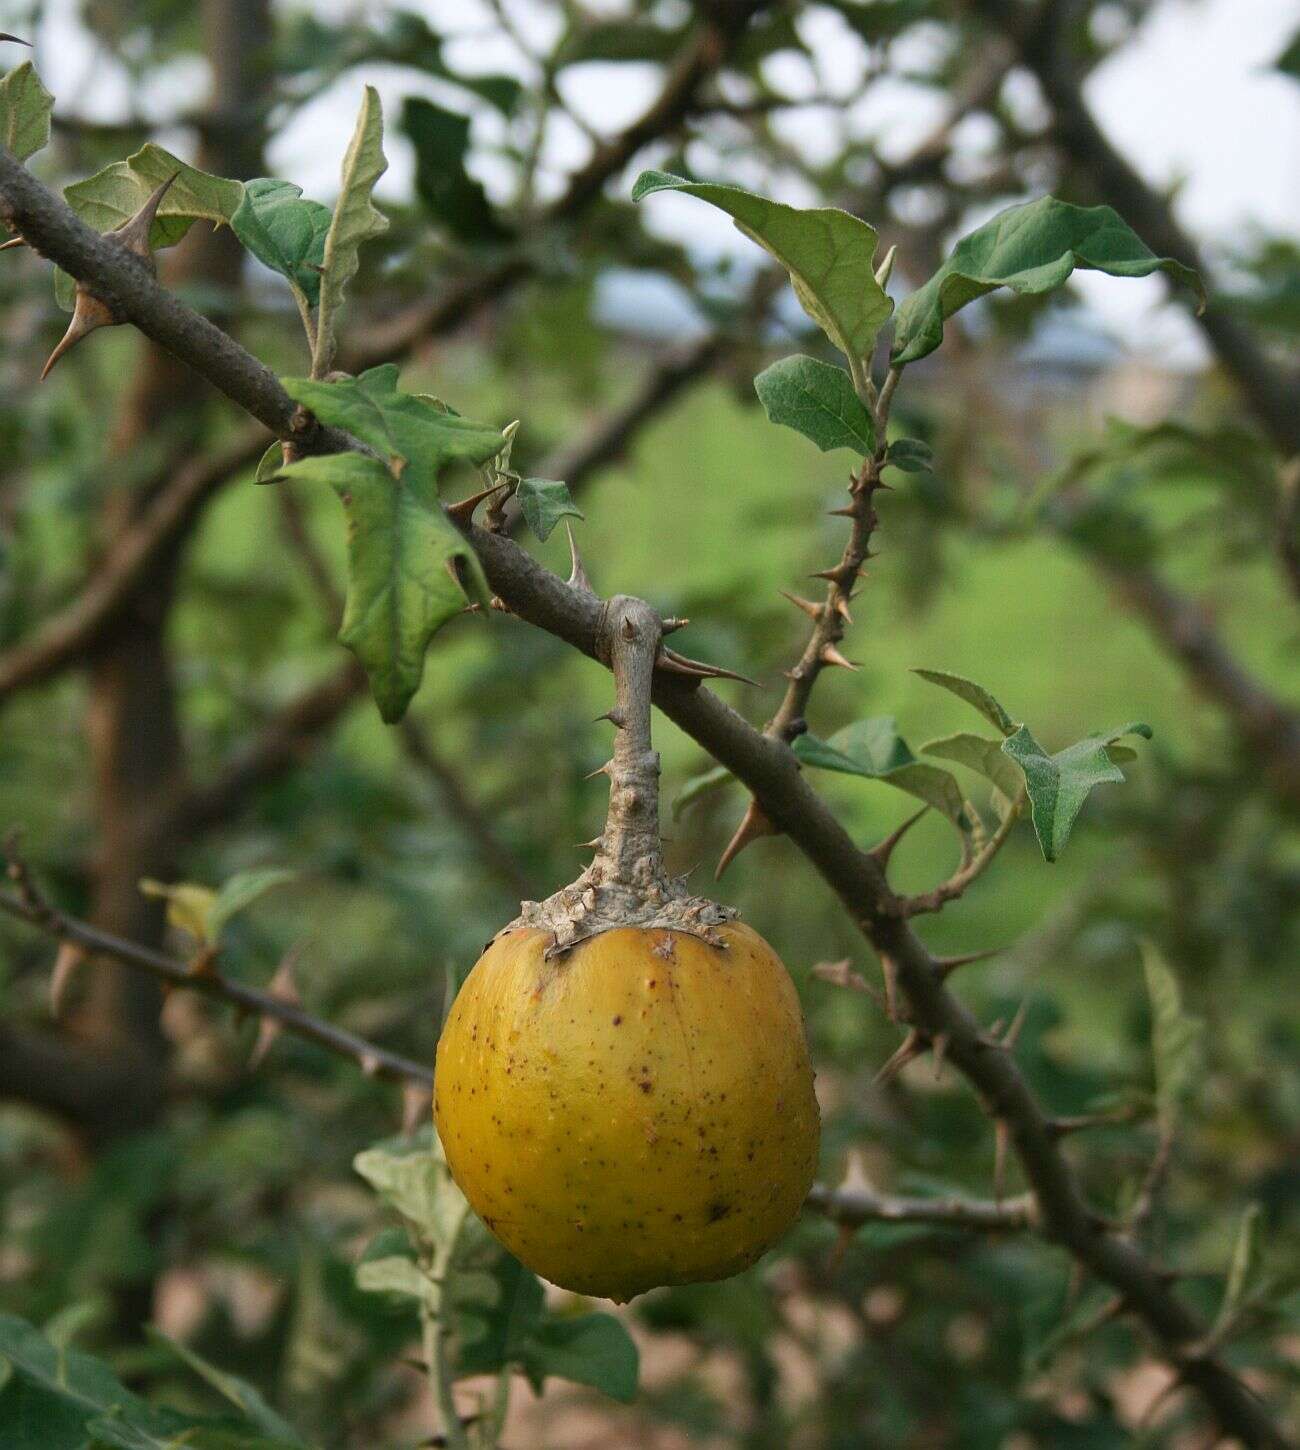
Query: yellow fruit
{"x": 636, "y": 1111}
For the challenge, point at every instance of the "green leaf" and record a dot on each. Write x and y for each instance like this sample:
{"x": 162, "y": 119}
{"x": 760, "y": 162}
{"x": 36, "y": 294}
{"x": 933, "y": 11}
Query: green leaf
{"x": 545, "y": 501}
{"x": 506, "y": 1322}
{"x": 239, "y": 893}
{"x": 285, "y": 231}
{"x": 270, "y": 464}
{"x": 619, "y": 40}
{"x": 829, "y": 254}
{"x": 412, "y": 1179}
{"x": 984, "y": 756}
{"x": 911, "y": 455}
{"x": 404, "y": 428}
{"x": 457, "y": 199}
{"x": 973, "y": 694}
{"x": 189, "y": 905}
{"x": 1244, "y": 1271}
{"x": 1031, "y": 248}
{"x": 354, "y": 223}
{"x": 589, "y": 1349}
{"x": 239, "y": 1392}
{"x": 1176, "y": 1037}
{"x": 700, "y": 785}
{"x": 401, "y": 1276}
{"x": 1059, "y": 784}
{"x": 874, "y": 750}
{"x": 34, "y": 1418}
{"x": 25, "y": 109}
{"x": 818, "y": 400}
{"x": 409, "y": 570}
{"x": 1289, "y": 61}
{"x": 114, "y": 195}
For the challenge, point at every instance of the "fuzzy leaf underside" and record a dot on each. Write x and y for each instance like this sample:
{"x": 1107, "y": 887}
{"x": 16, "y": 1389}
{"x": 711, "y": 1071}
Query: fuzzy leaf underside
{"x": 874, "y": 750}
{"x": 25, "y": 110}
{"x": 986, "y": 758}
{"x": 974, "y": 695}
{"x": 409, "y": 570}
{"x": 829, "y": 254}
{"x": 1031, "y": 248}
{"x": 1059, "y": 784}
{"x": 285, "y": 231}
{"x": 818, "y": 400}
{"x": 413, "y": 433}
{"x": 545, "y": 501}
{"x": 355, "y": 221}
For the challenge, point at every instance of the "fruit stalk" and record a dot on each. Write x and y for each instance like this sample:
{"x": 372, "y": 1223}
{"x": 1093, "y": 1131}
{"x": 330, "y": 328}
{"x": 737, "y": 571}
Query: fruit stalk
{"x": 630, "y": 849}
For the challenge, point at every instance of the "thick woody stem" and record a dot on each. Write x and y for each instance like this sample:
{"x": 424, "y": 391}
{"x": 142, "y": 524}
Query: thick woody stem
{"x": 630, "y": 847}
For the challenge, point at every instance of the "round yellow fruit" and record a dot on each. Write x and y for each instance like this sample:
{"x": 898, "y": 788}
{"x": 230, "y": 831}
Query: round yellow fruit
{"x": 636, "y": 1111}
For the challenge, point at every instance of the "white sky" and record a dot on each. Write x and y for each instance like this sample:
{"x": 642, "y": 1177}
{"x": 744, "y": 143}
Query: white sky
{"x": 1190, "y": 100}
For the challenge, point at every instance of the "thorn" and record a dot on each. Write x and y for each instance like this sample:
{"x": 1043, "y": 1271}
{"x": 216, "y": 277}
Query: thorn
{"x": 885, "y": 849}
{"x": 1001, "y": 1141}
{"x": 886, "y": 266}
{"x": 1012, "y": 1034}
{"x": 671, "y": 626}
{"x": 594, "y": 844}
{"x": 838, "y": 575}
{"x": 13, "y": 242}
{"x": 577, "y": 574}
{"x": 753, "y": 826}
{"x": 813, "y": 611}
{"x": 912, "y": 1046}
{"x": 605, "y": 769}
{"x": 829, "y": 655}
{"x": 134, "y": 233}
{"x": 841, "y": 974}
{"x": 940, "y": 1048}
{"x": 946, "y": 966}
{"x": 283, "y": 988}
{"x": 88, "y": 314}
{"x": 677, "y": 664}
{"x": 841, "y": 605}
{"x": 416, "y": 1102}
{"x": 462, "y": 513}
{"x": 889, "y": 971}
{"x": 16, "y": 40}
{"x": 847, "y": 512}
{"x": 615, "y": 717}
{"x": 70, "y": 956}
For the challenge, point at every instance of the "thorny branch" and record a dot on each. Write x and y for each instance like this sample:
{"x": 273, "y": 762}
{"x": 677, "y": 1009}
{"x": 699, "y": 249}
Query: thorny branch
{"x": 771, "y": 771}
{"x": 849, "y": 1206}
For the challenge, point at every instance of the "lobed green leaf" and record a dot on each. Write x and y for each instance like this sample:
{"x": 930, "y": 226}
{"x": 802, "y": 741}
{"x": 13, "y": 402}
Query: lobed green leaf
{"x": 442, "y": 182}
{"x": 1059, "y": 784}
{"x": 409, "y": 569}
{"x": 545, "y": 501}
{"x": 973, "y": 694}
{"x": 1031, "y": 248}
{"x": 818, "y": 400}
{"x": 829, "y": 254}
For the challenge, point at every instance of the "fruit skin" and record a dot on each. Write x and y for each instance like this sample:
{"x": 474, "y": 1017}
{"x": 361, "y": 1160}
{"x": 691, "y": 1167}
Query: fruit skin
{"x": 637, "y": 1111}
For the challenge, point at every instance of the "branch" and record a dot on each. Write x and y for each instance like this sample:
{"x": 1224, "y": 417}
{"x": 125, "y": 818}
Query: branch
{"x": 955, "y": 886}
{"x": 30, "y": 906}
{"x": 771, "y": 771}
{"x": 73, "y": 631}
{"x": 852, "y": 1207}
{"x": 1039, "y": 35}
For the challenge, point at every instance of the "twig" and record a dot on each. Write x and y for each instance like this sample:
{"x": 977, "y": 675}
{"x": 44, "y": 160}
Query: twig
{"x": 957, "y": 883}
{"x": 851, "y": 1207}
{"x": 29, "y": 905}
